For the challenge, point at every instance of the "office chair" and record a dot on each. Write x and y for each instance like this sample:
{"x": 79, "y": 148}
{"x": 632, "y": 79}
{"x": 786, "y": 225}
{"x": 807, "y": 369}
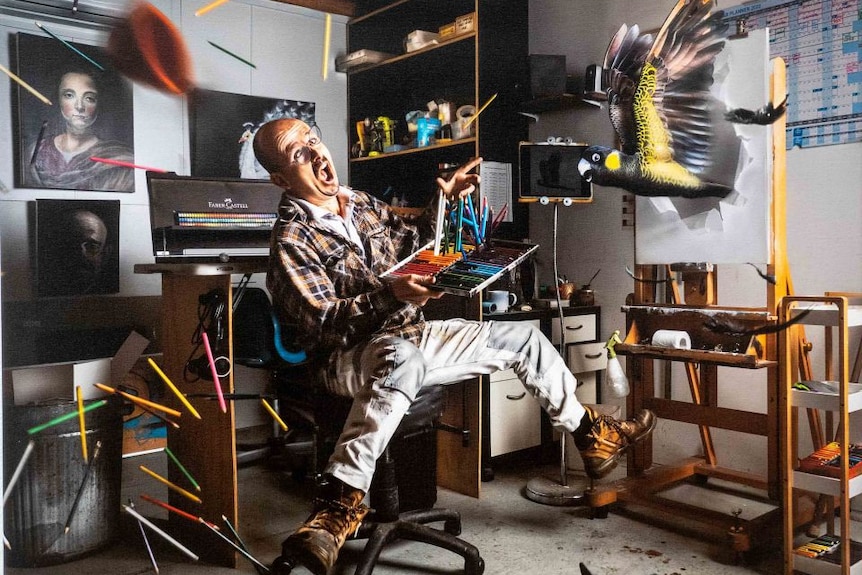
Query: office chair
{"x": 404, "y": 488}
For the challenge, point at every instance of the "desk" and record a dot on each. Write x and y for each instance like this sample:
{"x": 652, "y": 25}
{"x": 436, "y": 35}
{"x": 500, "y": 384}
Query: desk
{"x": 206, "y": 446}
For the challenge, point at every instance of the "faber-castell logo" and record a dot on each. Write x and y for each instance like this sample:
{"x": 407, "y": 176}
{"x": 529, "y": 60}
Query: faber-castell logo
{"x": 228, "y": 204}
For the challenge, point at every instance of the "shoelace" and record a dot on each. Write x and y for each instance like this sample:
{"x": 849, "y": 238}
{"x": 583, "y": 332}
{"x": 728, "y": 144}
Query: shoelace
{"x": 610, "y": 422}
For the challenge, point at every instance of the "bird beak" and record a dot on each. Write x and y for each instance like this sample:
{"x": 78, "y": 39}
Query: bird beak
{"x": 584, "y": 169}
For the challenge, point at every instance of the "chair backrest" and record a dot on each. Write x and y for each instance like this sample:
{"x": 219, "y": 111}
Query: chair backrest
{"x": 259, "y": 339}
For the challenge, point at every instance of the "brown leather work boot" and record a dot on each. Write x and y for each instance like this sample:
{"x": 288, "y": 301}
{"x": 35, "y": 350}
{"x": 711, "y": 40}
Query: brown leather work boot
{"x": 608, "y": 438}
{"x": 337, "y": 516}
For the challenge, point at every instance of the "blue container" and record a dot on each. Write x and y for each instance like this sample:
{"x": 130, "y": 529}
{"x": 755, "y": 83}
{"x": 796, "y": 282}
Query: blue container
{"x": 425, "y": 130}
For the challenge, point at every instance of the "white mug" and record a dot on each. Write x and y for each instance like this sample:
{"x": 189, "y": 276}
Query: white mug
{"x": 502, "y": 299}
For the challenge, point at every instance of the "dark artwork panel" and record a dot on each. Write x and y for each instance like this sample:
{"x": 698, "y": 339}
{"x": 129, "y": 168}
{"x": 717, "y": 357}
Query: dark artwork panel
{"x": 91, "y": 116}
{"x": 223, "y": 126}
{"x": 77, "y": 247}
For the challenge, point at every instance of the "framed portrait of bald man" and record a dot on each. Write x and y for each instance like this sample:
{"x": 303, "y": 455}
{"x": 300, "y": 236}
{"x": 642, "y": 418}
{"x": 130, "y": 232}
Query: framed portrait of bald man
{"x": 77, "y": 247}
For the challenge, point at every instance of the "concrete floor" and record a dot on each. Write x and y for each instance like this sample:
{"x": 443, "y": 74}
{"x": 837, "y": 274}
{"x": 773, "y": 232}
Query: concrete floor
{"x": 513, "y": 534}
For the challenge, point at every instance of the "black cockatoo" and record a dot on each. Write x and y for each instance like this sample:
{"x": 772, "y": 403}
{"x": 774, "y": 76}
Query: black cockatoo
{"x": 661, "y": 108}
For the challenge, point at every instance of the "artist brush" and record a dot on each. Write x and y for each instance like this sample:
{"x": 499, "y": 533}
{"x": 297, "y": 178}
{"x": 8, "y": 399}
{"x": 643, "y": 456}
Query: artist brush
{"x": 65, "y": 417}
{"x": 172, "y": 509}
{"x": 39, "y": 139}
{"x": 146, "y": 541}
{"x": 158, "y": 531}
{"x": 170, "y": 485}
{"x": 78, "y": 495}
{"x": 173, "y": 388}
{"x": 25, "y": 85}
{"x": 182, "y": 467}
{"x": 17, "y": 473}
{"x": 82, "y": 420}
{"x": 274, "y": 414}
{"x": 138, "y": 400}
{"x": 70, "y": 47}
{"x": 216, "y": 381}
{"x": 239, "y": 549}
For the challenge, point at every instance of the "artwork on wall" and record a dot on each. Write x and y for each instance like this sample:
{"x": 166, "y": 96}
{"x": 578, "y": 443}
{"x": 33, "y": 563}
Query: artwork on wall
{"x": 223, "y": 127}
{"x": 77, "y": 247}
{"x": 90, "y": 116}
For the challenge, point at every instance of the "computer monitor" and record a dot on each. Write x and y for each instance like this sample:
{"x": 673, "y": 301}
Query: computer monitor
{"x": 549, "y": 171}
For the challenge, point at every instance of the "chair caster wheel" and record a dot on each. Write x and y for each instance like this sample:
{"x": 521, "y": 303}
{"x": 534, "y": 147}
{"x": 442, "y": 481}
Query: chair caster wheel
{"x": 282, "y": 566}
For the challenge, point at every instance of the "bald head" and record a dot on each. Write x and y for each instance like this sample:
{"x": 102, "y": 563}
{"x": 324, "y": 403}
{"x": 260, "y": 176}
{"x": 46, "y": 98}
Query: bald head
{"x": 272, "y": 140}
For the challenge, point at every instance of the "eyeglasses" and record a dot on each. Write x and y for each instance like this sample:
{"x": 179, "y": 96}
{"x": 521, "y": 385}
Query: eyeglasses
{"x": 302, "y": 154}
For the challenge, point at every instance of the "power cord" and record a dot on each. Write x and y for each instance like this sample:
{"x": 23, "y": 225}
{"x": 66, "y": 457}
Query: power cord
{"x": 212, "y": 307}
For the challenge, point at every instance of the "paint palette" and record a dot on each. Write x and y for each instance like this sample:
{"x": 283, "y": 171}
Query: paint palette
{"x": 466, "y": 272}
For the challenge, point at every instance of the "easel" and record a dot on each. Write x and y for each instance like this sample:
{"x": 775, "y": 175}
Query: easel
{"x": 644, "y": 483}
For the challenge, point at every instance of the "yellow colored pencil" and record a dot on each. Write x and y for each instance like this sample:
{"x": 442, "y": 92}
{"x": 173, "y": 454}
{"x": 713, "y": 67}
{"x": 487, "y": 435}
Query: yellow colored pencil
{"x": 476, "y": 115}
{"x": 274, "y": 414}
{"x": 327, "y": 32}
{"x": 170, "y": 485}
{"x": 173, "y": 388}
{"x": 25, "y": 85}
{"x": 209, "y": 7}
{"x": 82, "y": 420}
{"x": 139, "y": 400}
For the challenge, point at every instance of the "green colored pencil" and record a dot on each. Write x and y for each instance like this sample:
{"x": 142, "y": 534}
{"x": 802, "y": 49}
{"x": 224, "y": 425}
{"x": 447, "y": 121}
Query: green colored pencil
{"x": 182, "y": 468}
{"x": 65, "y": 417}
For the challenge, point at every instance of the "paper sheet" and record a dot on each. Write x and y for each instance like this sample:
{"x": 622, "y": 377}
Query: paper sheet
{"x": 497, "y": 186}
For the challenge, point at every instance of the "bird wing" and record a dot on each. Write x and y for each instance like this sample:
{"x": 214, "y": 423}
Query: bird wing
{"x": 623, "y": 62}
{"x": 672, "y": 102}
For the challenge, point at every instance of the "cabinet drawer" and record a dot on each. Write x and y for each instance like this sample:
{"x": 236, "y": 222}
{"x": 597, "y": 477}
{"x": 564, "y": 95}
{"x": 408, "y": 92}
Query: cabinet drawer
{"x": 516, "y": 418}
{"x": 587, "y": 357}
{"x": 576, "y": 328}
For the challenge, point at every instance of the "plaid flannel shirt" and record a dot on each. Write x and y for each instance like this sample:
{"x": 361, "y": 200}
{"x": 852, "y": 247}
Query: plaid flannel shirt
{"x": 320, "y": 282}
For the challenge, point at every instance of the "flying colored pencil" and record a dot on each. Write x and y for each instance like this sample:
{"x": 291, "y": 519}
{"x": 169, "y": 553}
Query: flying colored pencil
{"x": 210, "y": 6}
{"x": 139, "y": 400}
{"x": 17, "y": 473}
{"x": 78, "y": 495}
{"x": 327, "y": 32}
{"x": 274, "y": 414}
{"x": 172, "y": 509}
{"x": 174, "y": 389}
{"x": 239, "y": 549}
{"x": 39, "y": 139}
{"x": 146, "y": 541}
{"x": 222, "y": 405}
{"x": 65, "y": 417}
{"x": 82, "y": 420}
{"x": 126, "y": 164}
{"x": 170, "y": 485}
{"x": 158, "y": 531}
{"x": 229, "y": 53}
{"x": 182, "y": 467}
{"x": 70, "y": 47}
{"x": 479, "y": 111}
{"x": 161, "y": 417}
{"x": 25, "y": 85}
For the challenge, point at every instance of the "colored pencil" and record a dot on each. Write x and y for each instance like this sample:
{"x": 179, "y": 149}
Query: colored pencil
{"x": 39, "y": 139}
{"x": 25, "y": 85}
{"x": 274, "y": 414}
{"x": 182, "y": 467}
{"x": 173, "y": 388}
{"x": 78, "y": 495}
{"x": 139, "y": 400}
{"x": 70, "y": 47}
{"x": 172, "y": 509}
{"x": 146, "y": 541}
{"x": 82, "y": 420}
{"x": 239, "y": 549}
{"x": 229, "y": 53}
{"x": 210, "y": 6}
{"x": 459, "y": 227}
{"x": 222, "y": 405}
{"x": 164, "y": 535}
{"x": 126, "y": 164}
{"x": 327, "y": 32}
{"x": 479, "y": 111}
{"x": 17, "y": 473}
{"x": 170, "y": 422}
{"x": 65, "y": 417}
{"x": 170, "y": 485}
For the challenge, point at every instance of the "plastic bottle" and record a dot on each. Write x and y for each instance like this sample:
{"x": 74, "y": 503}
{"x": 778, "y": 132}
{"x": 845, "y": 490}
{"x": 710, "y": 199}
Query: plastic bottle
{"x": 617, "y": 380}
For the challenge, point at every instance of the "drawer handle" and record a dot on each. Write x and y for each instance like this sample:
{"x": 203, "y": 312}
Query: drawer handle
{"x": 574, "y": 328}
{"x": 516, "y": 397}
{"x": 593, "y": 355}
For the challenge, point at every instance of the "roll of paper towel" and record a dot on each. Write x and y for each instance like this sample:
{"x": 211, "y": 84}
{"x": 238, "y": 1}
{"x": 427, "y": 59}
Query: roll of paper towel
{"x": 671, "y": 338}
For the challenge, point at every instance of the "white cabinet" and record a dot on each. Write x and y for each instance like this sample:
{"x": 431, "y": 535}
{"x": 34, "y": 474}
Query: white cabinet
{"x": 585, "y": 361}
{"x": 836, "y": 315}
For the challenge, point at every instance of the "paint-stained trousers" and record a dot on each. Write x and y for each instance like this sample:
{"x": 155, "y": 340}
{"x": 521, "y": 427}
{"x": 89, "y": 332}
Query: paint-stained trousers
{"x": 385, "y": 375}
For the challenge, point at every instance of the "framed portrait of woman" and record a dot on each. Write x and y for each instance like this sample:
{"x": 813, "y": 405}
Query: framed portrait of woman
{"x": 91, "y": 116}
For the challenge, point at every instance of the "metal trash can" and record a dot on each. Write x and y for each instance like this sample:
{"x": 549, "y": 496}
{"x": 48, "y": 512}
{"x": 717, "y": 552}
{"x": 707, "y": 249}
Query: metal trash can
{"x": 40, "y": 503}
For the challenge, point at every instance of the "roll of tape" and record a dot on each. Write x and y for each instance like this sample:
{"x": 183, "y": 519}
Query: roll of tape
{"x": 489, "y": 307}
{"x": 671, "y": 338}
{"x": 465, "y": 111}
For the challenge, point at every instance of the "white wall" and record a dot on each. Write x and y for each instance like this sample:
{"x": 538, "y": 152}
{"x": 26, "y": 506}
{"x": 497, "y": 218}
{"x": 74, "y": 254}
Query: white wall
{"x": 286, "y": 45}
{"x": 824, "y": 211}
